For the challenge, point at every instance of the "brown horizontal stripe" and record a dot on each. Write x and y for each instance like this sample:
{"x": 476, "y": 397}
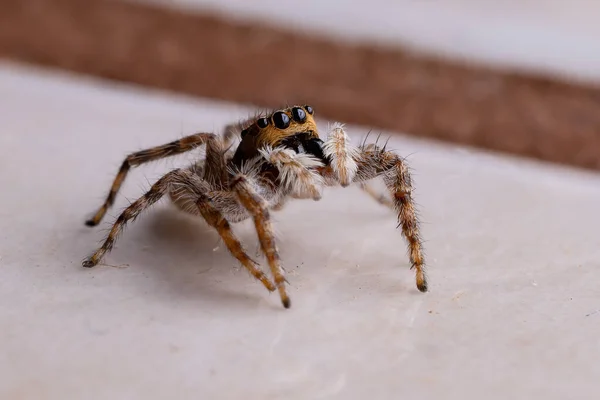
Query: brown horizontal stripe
{"x": 379, "y": 87}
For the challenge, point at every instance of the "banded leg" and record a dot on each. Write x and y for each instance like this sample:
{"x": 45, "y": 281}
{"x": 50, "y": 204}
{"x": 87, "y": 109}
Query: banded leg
{"x": 155, "y": 153}
{"x": 381, "y": 198}
{"x": 156, "y": 192}
{"x": 215, "y": 219}
{"x": 258, "y": 208}
{"x": 376, "y": 162}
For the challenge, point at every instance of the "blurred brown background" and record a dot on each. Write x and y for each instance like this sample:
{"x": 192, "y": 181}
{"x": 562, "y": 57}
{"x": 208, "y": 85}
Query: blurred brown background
{"x": 376, "y": 84}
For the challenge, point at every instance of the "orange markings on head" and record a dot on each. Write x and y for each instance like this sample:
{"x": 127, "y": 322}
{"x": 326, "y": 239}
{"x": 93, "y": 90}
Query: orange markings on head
{"x": 273, "y": 128}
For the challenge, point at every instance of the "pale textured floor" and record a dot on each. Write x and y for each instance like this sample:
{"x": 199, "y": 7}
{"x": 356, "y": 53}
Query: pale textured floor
{"x": 513, "y": 249}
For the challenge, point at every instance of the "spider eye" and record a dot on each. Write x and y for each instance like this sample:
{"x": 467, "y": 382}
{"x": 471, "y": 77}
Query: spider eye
{"x": 298, "y": 114}
{"x": 262, "y": 123}
{"x": 281, "y": 120}
{"x": 244, "y": 133}
{"x": 309, "y": 109}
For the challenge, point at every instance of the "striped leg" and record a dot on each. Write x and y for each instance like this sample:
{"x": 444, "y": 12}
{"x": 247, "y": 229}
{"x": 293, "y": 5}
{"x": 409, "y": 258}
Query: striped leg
{"x": 258, "y": 208}
{"x": 156, "y": 192}
{"x": 215, "y": 219}
{"x": 382, "y": 198}
{"x": 190, "y": 193}
{"x": 376, "y": 162}
{"x": 170, "y": 149}
{"x": 369, "y": 162}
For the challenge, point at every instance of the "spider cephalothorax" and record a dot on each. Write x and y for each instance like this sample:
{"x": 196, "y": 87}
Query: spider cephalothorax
{"x": 293, "y": 128}
{"x": 280, "y": 156}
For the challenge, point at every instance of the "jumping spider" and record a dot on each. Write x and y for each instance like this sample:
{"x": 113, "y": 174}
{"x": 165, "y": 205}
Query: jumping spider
{"x": 279, "y": 156}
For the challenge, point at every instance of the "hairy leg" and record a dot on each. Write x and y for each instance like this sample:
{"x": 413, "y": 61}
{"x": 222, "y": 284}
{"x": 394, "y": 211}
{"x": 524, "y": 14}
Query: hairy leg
{"x": 215, "y": 219}
{"x": 156, "y": 192}
{"x": 257, "y": 206}
{"x": 368, "y": 162}
{"x": 193, "y": 195}
{"x": 376, "y": 162}
{"x": 155, "y": 153}
{"x": 381, "y": 198}
{"x": 343, "y": 166}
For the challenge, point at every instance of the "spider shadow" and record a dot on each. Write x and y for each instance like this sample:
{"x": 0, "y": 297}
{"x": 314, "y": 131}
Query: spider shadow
{"x": 191, "y": 262}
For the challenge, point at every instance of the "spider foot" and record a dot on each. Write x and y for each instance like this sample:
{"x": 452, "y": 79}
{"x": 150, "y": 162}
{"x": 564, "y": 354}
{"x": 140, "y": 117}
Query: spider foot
{"x": 89, "y": 262}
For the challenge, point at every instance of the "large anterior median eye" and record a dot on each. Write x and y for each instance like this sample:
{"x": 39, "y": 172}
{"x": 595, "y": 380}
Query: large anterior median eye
{"x": 298, "y": 114}
{"x": 281, "y": 120}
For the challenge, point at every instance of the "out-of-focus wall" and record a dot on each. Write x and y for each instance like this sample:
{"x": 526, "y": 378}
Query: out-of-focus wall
{"x": 206, "y": 55}
{"x": 544, "y": 36}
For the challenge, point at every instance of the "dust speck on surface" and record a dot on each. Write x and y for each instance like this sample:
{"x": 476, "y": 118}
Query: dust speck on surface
{"x": 458, "y": 295}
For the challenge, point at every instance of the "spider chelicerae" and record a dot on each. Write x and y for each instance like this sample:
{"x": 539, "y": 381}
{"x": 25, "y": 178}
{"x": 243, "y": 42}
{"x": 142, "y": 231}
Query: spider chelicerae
{"x": 279, "y": 156}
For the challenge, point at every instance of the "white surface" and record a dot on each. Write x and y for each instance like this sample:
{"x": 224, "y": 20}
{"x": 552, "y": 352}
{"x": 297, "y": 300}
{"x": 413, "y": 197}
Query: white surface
{"x": 555, "y": 37}
{"x": 513, "y": 249}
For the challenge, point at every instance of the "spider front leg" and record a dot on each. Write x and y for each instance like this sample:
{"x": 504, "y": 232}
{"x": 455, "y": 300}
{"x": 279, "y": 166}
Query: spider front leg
{"x": 343, "y": 164}
{"x": 353, "y": 165}
{"x": 193, "y": 195}
{"x": 156, "y": 192}
{"x": 382, "y": 198}
{"x": 215, "y": 219}
{"x": 141, "y": 157}
{"x": 374, "y": 162}
{"x": 258, "y": 207}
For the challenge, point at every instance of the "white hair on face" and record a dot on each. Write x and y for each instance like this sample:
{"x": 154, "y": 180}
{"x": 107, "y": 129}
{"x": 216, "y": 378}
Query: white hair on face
{"x": 297, "y": 171}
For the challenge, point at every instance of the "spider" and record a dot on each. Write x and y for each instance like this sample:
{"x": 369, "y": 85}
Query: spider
{"x": 279, "y": 156}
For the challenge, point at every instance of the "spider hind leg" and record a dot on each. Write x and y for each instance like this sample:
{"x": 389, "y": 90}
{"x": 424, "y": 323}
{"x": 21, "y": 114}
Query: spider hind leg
{"x": 142, "y": 157}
